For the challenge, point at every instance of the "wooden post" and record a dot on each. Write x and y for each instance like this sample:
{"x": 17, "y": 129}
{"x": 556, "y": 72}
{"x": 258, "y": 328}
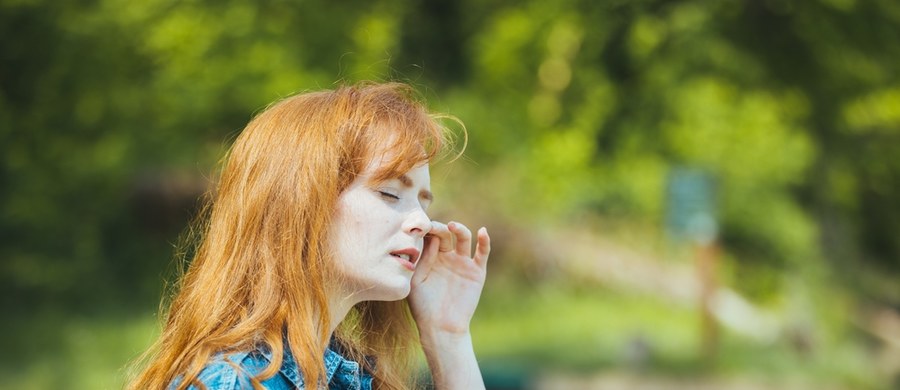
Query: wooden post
{"x": 706, "y": 256}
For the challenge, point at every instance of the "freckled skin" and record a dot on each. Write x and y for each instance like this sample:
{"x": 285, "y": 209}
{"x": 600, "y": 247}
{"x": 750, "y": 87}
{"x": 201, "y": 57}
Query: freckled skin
{"x": 374, "y": 220}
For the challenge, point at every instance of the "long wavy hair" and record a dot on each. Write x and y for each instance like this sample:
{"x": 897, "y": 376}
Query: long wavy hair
{"x": 261, "y": 265}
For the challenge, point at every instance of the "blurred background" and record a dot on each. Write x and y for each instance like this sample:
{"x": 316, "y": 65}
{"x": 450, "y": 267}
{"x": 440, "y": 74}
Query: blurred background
{"x": 682, "y": 194}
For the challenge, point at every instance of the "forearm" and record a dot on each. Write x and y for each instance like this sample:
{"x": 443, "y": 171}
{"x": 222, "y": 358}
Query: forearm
{"x": 451, "y": 358}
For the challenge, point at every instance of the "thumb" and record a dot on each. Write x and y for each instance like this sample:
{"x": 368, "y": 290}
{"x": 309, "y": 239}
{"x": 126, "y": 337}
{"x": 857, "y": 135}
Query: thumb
{"x": 426, "y": 261}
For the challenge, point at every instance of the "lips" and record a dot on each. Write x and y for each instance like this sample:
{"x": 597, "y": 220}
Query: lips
{"x": 408, "y": 257}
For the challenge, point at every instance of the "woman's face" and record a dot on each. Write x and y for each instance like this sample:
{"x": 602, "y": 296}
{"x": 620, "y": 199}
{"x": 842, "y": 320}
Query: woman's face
{"x": 378, "y": 233}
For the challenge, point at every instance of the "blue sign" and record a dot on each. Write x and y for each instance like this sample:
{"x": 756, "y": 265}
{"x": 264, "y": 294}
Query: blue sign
{"x": 691, "y": 205}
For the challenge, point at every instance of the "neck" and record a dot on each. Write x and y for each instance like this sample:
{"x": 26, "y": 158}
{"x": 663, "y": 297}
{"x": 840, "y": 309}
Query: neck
{"x": 339, "y": 304}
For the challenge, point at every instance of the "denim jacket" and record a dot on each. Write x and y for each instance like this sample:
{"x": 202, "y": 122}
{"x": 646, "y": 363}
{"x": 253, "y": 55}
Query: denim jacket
{"x": 220, "y": 373}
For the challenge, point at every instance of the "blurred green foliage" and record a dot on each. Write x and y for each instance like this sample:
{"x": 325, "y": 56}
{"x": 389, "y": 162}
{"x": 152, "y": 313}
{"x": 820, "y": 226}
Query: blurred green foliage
{"x": 113, "y": 115}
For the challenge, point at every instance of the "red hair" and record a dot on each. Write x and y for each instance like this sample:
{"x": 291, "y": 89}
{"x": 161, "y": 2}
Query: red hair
{"x": 262, "y": 263}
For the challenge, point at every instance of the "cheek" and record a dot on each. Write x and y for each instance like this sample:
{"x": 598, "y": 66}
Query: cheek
{"x": 360, "y": 222}
{"x": 362, "y": 219}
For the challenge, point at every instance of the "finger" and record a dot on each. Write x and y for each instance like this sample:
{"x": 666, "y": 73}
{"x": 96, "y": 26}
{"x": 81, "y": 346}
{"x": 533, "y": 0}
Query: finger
{"x": 463, "y": 238}
{"x": 426, "y": 261}
{"x": 483, "y": 247}
{"x": 443, "y": 234}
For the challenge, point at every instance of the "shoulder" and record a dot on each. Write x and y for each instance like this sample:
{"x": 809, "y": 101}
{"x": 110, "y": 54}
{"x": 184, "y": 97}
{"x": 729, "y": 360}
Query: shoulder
{"x": 232, "y": 371}
{"x": 221, "y": 374}
{"x": 236, "y": 370}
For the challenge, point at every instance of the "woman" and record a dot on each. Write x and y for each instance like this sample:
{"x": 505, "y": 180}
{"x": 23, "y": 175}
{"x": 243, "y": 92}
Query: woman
{"x": 315, "y": 235}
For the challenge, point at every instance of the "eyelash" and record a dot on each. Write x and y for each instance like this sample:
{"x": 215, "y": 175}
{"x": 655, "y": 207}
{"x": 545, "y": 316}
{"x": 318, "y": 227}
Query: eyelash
{"x": 389, "y": 195}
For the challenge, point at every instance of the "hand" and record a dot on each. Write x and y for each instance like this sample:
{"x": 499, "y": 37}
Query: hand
{"x": 448, "y": 280}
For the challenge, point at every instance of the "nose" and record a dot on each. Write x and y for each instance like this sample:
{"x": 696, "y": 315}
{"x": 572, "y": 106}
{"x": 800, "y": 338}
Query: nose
{"x": 417, "y": 223}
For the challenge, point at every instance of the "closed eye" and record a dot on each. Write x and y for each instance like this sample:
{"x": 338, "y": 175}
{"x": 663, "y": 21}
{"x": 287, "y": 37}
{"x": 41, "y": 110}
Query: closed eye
{"x": 388, "y": 195}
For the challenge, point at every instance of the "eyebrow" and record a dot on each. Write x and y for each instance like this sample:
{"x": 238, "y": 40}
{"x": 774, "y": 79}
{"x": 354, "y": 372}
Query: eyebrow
{"x": 407, "y": 182}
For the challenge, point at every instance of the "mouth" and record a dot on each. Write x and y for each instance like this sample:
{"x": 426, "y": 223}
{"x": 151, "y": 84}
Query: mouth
{"x": 407, "y": 257}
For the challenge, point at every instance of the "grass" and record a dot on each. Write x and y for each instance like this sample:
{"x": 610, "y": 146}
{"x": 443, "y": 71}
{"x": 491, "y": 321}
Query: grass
{"x": 578, "y": 329}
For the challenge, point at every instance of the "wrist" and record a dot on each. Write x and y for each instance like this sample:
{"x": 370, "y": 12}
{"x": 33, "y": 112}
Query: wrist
{"x": 451, "y": 358}
{"x": 438, "y": 334}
